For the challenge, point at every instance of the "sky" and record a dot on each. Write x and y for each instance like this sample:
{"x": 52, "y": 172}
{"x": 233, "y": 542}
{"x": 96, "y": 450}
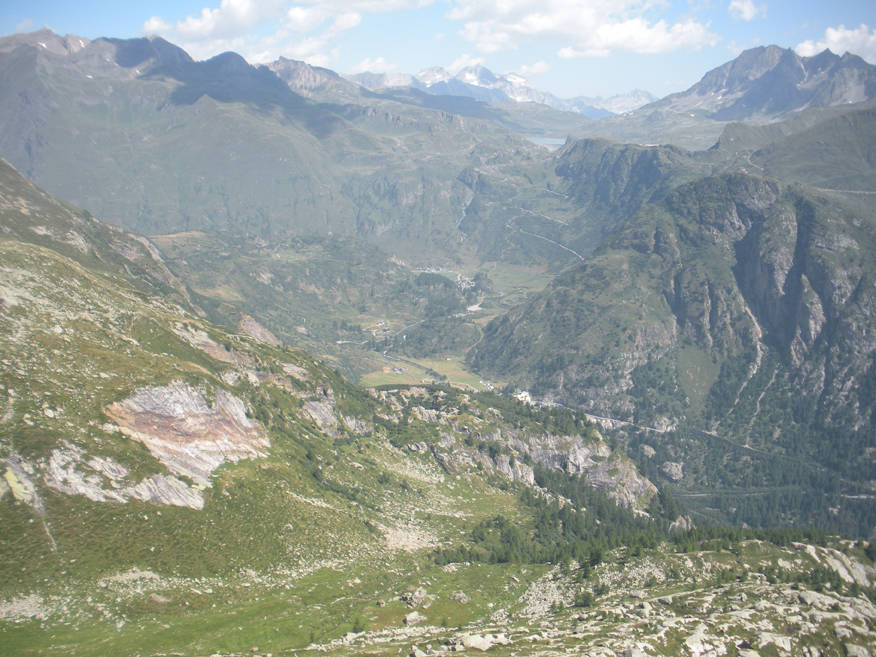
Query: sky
{"x": 567, "y": 47}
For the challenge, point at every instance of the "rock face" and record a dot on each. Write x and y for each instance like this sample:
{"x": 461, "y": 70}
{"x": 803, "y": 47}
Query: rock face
{"x": 737, "y": 267}
{"x": 596, "y": 463}
{"x": 672, "y": 470}
{"x": 306, "y": 79}
{"x": 515, "y": 471}
{"x": 593, "y": 461}
{"x": 186, "y": 434}
{"x": 771, "y": 81}
{"x": 67, "y": 471}
{"x": 252, "y": 328}
{"x": 18, "y": 479}
{"x": 468, "y": 441}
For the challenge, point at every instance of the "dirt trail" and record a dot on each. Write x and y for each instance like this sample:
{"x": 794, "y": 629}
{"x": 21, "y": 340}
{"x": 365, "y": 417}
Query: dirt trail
{"x": 555, "y": 243}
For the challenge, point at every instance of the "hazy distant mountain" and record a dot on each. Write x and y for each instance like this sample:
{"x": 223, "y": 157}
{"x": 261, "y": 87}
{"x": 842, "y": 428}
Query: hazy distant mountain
{"x": 762, "y": 85}
{"x": 140, "y": 133}
{"x": 618, "y": 104}
{"x": 313, "y": 81}
{"x": 480, "y": 83}
{"x": 45, "y": 39}
{"x": 770, "y": 82}
{"x": 385, "y": 80}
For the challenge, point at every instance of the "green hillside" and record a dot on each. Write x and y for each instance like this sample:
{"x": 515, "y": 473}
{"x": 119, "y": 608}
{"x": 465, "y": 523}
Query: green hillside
{"x": 172, "y": 487}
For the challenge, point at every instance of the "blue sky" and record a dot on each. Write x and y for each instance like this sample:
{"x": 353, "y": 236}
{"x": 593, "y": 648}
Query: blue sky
{"x": 567, "y": 47}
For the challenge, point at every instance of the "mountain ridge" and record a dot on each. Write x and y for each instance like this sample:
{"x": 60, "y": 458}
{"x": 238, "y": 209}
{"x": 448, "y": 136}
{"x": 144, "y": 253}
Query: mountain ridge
{"x": 482, "y": 84}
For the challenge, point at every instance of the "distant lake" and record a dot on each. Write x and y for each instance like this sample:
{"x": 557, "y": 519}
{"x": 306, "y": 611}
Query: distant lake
{"x": 552, "y": 143}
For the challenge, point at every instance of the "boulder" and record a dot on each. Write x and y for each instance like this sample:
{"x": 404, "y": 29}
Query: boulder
{"x": 476, "y": 642}
{"x": 414, "y": 598}
{"x": 413, "y": 618}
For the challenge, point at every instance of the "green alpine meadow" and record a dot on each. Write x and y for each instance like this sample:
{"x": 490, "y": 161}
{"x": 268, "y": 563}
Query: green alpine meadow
{"x": 296, "y": 363}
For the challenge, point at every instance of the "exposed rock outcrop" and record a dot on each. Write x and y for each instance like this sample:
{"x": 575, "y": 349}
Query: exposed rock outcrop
{"x": 19, "y": 478}
{"x": 672, "y": 470}
{"x": 186, "y": 434}
{"x": 67, "y": 471}
{"x": 252, "y": 328}
{"x": 596, "y": 463}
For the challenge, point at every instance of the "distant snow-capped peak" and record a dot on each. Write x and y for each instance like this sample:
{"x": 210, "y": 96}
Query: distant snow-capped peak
{"x": 508, "y": 87}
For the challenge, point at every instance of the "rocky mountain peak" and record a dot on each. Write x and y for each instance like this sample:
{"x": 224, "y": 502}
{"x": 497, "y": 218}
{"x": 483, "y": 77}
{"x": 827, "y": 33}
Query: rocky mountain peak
{"x": 46, "y": 40}
{"x": 478, "y": 75}
{"x": 228, "y": 63}
{"x": 301, "y": 74}
{"x": 163, "y": 55}
{"x": 432, "y": 75}
{"x": 771, "y": 82}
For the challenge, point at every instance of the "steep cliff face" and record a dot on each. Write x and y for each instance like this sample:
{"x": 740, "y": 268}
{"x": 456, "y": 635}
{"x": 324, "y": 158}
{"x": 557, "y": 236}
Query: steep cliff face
{"x": 732, "y": 295}
{"x": 497, "y": 440}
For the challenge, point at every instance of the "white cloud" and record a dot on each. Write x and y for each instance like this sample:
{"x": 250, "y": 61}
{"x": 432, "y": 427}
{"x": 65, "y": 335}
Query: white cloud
{"x": 24, "y": 25}
{"x": 638, "y": 36}
{"x": 262, "y": 30}
{"x": 860, "y": 41}
{"x": 746, "y": 10}
{"x": 304, "y": 19}
{"x": 534, "y": 69}
{"x": 464, "y": 61}
{"x": 376, "y": 65}
{"x": 346, "y": 21}
{"x": 155, "y": 25}
{"x": 230, "y": 19}
{"x": 589, "y": 27}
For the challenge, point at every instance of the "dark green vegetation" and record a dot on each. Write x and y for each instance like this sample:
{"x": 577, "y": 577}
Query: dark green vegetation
{"x": 586, "y": 525}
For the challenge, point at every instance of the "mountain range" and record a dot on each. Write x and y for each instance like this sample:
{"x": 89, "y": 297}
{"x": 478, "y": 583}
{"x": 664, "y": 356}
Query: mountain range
{"x": 767, "y": 82}
{"x": 762, "y": 85}
{"x": 480, "y": 83}
{"x": 332, "y": 369}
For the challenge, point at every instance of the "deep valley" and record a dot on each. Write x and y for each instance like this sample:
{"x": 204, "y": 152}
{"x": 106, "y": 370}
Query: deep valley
{"x": 294, "y": 365}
